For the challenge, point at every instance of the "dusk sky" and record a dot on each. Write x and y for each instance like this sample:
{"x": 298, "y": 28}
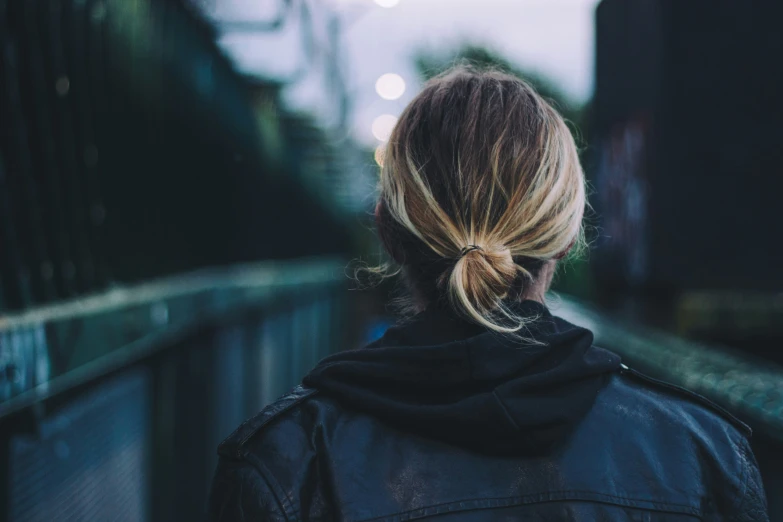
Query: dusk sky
{"x": 552, "y": 37}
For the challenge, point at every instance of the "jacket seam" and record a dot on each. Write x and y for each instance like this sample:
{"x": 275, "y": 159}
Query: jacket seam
{"x": 283, "y": 500}
{"x": 238, "y": 453}
{"x": 709, "y": 403}
{"x": 539, "y": 498}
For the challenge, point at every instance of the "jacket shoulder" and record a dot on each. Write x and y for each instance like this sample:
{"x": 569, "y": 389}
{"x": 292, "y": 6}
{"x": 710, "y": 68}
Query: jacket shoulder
{"x": 236, "y": 445}
{"x": 685, "y": 437}
{"x": 683, "y": 395}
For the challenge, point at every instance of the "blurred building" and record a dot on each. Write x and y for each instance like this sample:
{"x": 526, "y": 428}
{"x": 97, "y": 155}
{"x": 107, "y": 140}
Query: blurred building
{"x": 687, "y": 110}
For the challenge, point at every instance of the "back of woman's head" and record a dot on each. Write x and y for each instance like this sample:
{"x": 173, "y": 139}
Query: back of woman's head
{"x": 480, "y": 186}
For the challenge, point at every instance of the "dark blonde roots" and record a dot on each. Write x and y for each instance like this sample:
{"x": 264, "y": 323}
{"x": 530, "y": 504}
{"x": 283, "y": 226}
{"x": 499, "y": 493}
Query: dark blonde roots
{"x": 479, "y": 159}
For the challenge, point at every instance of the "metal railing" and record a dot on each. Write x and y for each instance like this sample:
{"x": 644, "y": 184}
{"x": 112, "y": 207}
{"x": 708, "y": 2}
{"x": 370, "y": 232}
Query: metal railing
{"x": 126, "y": 394}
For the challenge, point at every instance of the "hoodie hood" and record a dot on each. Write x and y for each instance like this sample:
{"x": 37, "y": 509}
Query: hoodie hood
{"x": 440, "y": 377}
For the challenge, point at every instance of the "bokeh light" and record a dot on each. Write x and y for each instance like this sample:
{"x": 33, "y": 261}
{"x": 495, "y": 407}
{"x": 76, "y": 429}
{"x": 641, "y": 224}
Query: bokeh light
{"x": 382, "y": 126}
{"x": 390, "y": 86}
{"x": 387, "y": 3}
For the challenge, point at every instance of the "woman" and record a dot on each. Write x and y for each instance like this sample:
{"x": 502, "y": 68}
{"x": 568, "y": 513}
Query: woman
{"x": 484, "y": 406}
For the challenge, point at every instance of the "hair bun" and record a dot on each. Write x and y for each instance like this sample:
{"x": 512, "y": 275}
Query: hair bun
{"x": 482, "y": 277}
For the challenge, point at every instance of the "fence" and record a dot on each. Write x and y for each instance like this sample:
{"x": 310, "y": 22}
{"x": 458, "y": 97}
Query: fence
{"x": 113, "y": 405}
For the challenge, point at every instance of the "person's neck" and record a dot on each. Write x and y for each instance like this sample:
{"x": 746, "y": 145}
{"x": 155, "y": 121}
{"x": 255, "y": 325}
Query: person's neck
{"x": 534, "y": 290}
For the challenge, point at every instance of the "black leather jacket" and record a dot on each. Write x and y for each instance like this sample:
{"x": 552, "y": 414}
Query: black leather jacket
{"x": 439, "y": 420}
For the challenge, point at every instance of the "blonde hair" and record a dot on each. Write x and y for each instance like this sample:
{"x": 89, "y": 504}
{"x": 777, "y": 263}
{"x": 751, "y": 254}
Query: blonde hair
{"x": 480, "y": 185}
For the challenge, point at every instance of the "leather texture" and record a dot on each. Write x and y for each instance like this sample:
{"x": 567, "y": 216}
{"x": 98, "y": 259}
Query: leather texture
{"x": 646, "y": 451}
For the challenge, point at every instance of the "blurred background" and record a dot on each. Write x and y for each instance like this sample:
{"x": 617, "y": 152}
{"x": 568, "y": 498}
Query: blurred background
{"x": 186, "y": 187}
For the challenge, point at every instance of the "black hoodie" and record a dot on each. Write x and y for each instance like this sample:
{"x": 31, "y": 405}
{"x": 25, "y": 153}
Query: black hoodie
{"x": 443, "y": 378}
